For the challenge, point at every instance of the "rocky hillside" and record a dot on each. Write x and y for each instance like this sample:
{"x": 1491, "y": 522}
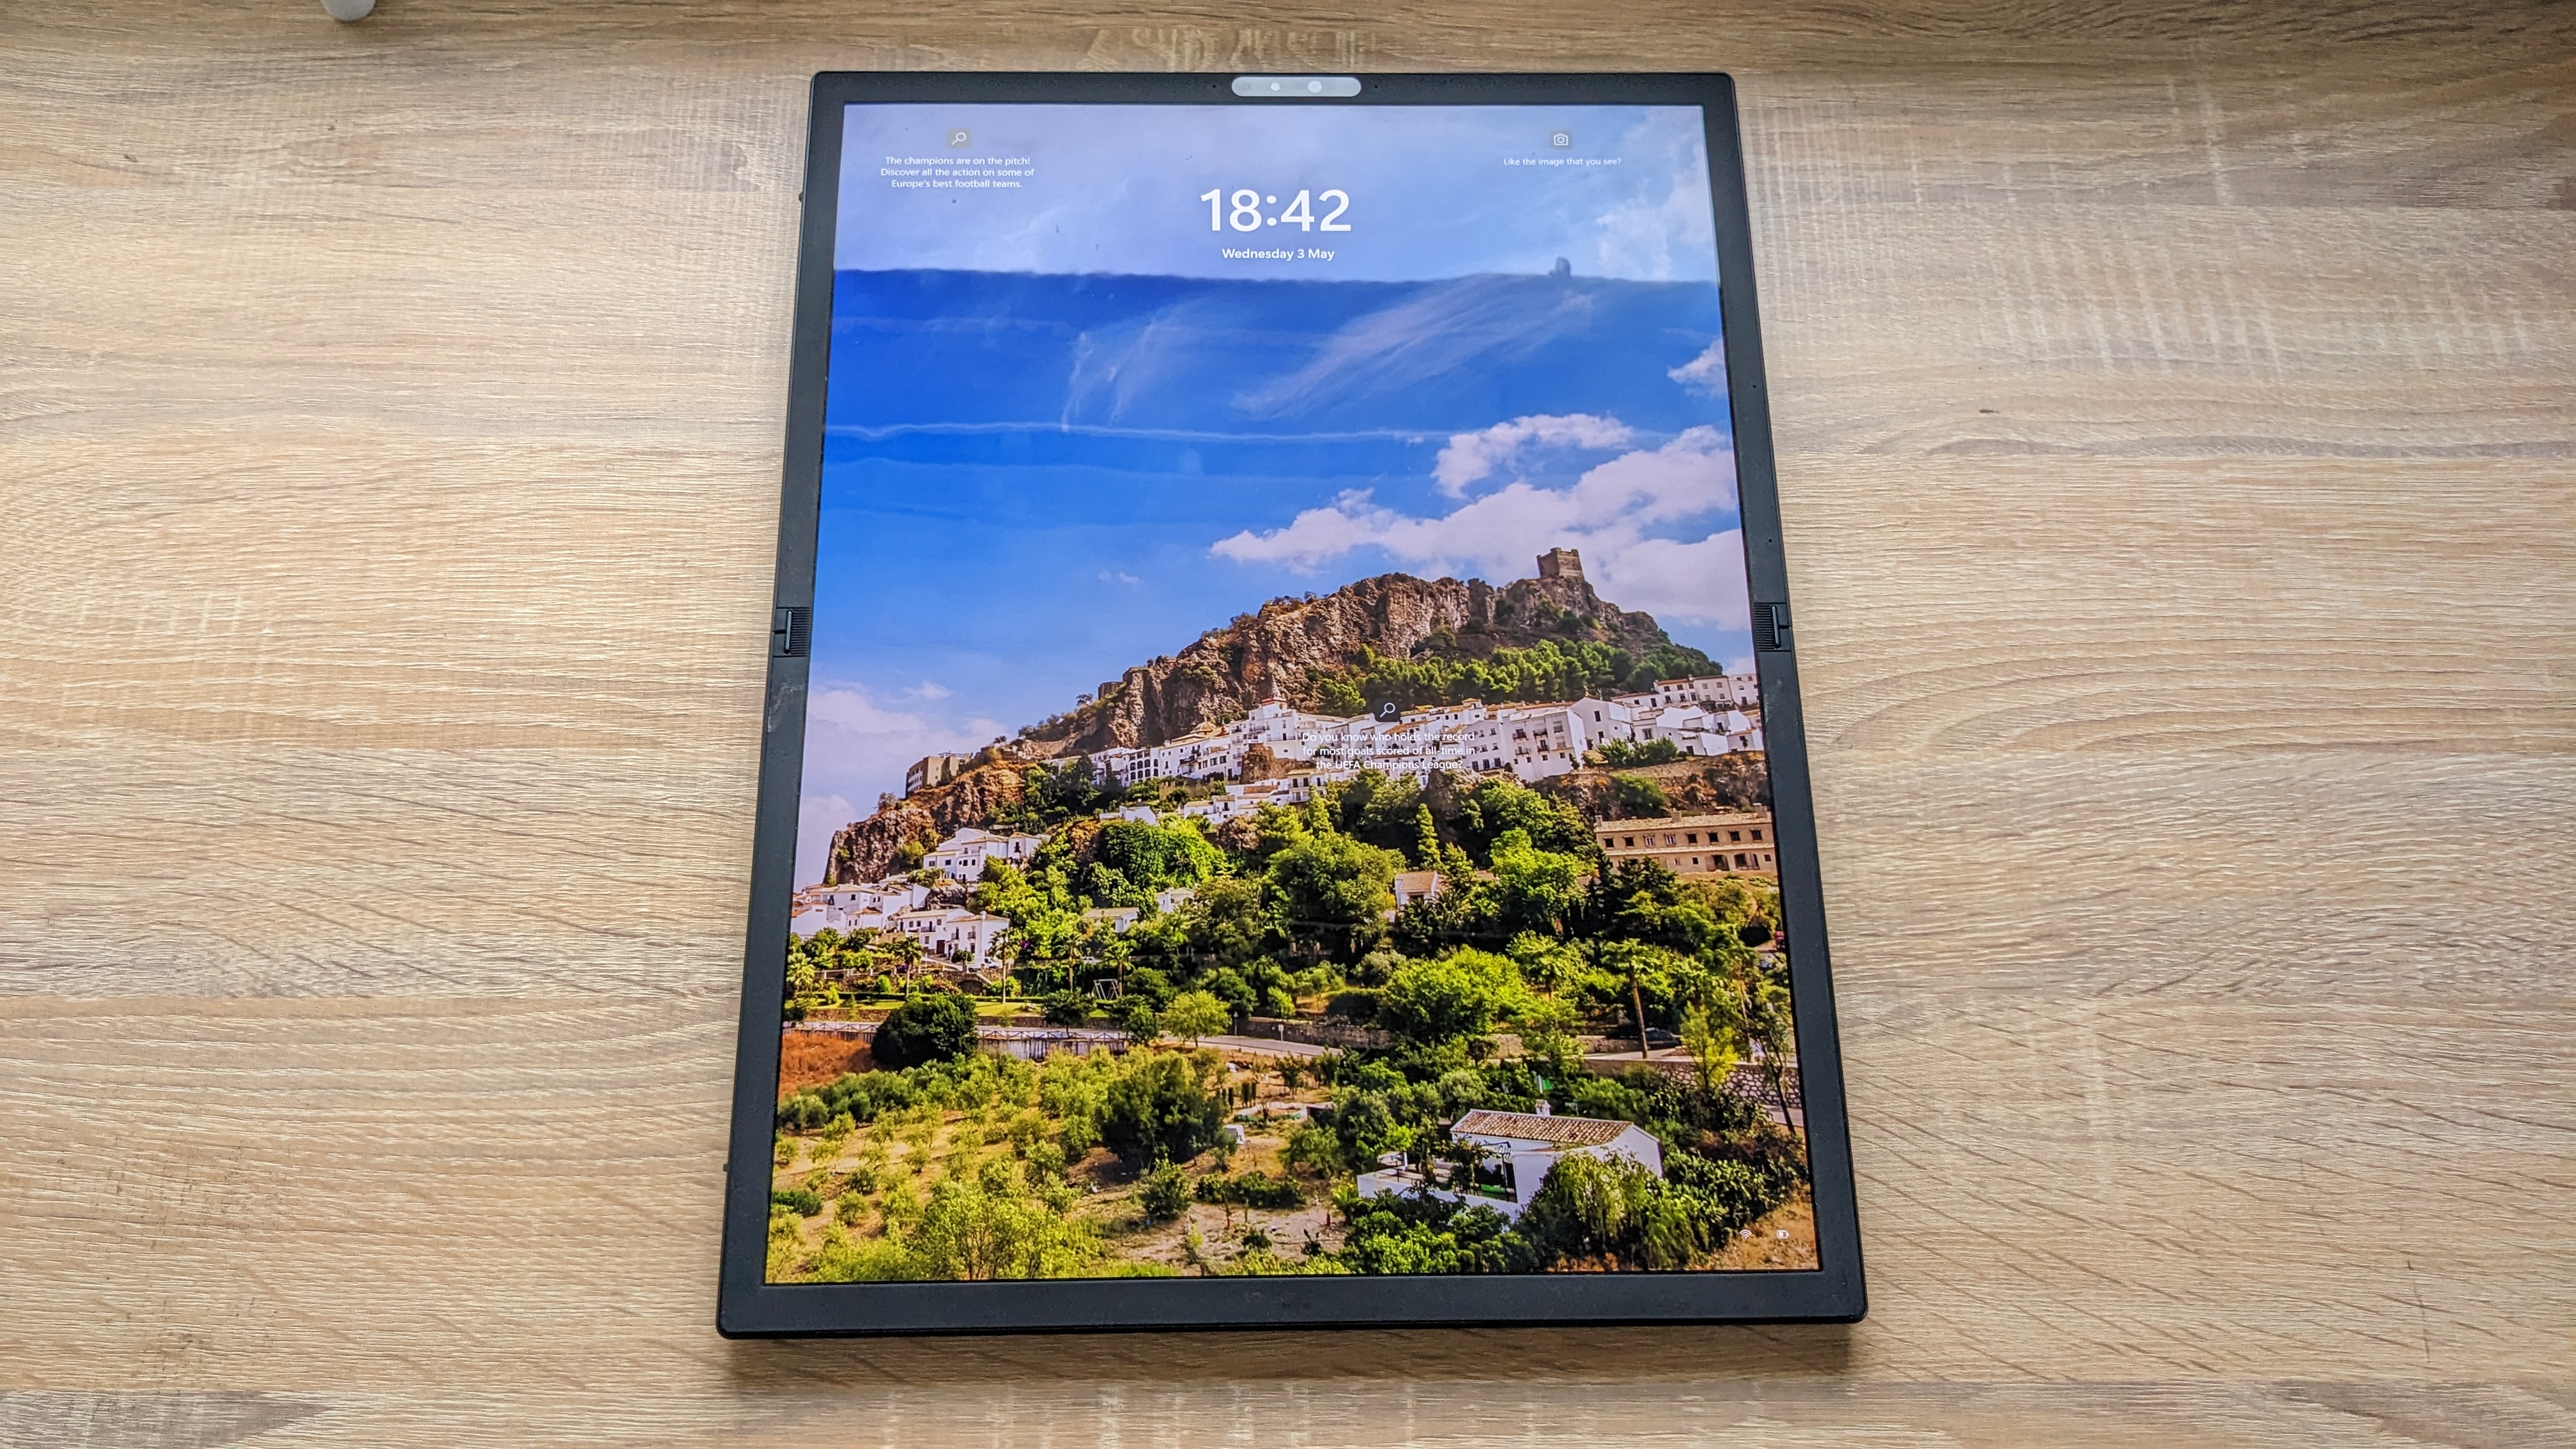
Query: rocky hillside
{"x": 1379, "y": 637}
{"x": 1298, "y": 648}
{"x": 867, "y": 850}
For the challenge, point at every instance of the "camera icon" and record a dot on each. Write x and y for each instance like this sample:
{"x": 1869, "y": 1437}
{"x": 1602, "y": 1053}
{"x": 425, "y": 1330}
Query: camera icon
{"x": 959, "y": 138}
{"x": 1560, "y": 139}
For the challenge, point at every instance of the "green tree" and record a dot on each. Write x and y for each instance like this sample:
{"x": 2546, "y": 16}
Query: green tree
{"x": 1313, "y": 1149}
{"x": 1639, "y": 900}
{"x": 1456, "y": 997}
{"x": 1548, "y": 1025}
{"x": 1768, "y": 1021}
{"x": 904, "y": 953}
{"x": 1135, "y": 1016}
{"x": 1546, "y": 964}
{"x": 1639, "y": 796}
{"x": 935, "y": 1027}
{"x": 1465, "y": 910}
{"x": 1051, "y": 795}
{"x": 1534, "y": 888}
{"x": 988, "y": 1226}
{"x": 1445, "y": 671}
{"x": 1500, "y": 804}
{"x": 800, "y": 985}
{"x": 1154, "y": 856}
{"x": 1378, "y": 810}
{"x": 1638, "y": 964}
{"x": 1627, "y": 754}
{"x": 1426, "y": 1235}
{"x": 1158, "y": 1107}
{"x": 1224, "y": 923}
{"x": 1163, "y": 1192}
{"x": 1426, "y": 839}
{"x": 1591, "y": 1206}
{"x": 1714, "y": 1042}
{"x": 1196, "y": 1014}
{"x": 1334, "y": 891}
{"x": 1066, "y": 1008}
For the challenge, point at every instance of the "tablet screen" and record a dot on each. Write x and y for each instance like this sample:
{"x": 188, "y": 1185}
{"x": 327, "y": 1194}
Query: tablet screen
{"x": 1283, "y": 783}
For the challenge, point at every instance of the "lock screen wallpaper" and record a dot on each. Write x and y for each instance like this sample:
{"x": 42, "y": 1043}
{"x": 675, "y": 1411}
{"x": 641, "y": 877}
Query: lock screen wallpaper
{"x": 1284, "y": 787}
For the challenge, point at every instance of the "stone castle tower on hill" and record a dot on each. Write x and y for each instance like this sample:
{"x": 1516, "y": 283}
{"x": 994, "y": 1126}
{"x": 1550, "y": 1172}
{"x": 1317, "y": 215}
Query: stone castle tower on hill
{"x": 1561, "y": 563}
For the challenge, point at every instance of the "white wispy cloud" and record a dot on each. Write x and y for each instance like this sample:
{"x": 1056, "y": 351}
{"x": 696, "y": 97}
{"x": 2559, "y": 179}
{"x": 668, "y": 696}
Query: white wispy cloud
{"x": 1112, "y": 576}
{"x": 1637, "y": 236}
{"x": 1474, "y": 457}
{"x": 929, "y": 689}
{"x": 1658, "y": 239}
{"x": 1480, "y": 322}
{"x": 1610, "y": 513}
{"x": 1705, "y": 373}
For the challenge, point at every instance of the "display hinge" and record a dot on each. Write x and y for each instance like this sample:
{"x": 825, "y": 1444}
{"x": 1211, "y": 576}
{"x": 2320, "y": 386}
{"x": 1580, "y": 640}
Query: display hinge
{"x": 1771, "y": 628}
{"x": 791, "y": 631}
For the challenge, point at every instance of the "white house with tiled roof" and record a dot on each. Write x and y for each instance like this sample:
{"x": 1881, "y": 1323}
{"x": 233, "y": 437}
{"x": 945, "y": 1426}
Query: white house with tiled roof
{"x": 1415, "y": 885}
{"x": 1520, "y": 1150}
{"x": 945, "y": 931}
{"x": 961, "y": 857}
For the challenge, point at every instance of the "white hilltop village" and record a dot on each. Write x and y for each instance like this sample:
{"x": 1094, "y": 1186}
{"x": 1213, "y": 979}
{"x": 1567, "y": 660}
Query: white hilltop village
{"x": 1702, "y": 717}
{"x": 1716, "y": 715}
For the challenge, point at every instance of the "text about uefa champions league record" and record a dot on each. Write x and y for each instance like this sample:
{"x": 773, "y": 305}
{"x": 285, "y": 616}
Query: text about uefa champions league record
{"x": 957, "y": 173}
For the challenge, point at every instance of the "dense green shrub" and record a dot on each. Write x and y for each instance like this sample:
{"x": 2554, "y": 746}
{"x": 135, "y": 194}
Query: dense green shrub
{"x": 803, "y": 1201}
{"x": 1159, "y": 1109}
{"x": 1195, "y": 1014}
{"x": 1250, "y": 1189}
{"x": 1441, "y": 671}
{"x": 1357, "y": 1005}
{"x": 1455, "y": 997}
{"x": 934, "y": 1027}
{"x": 1732, "y": 1194}
{"x": 1163, "y": 1192}
{"x": 1426, "y": 1235}
{"x": 1312, "y": 1148}
{"x": 1136, "y": 1016}
{"x": 1228, "y": 986}
{"x": 1622, "y": 754}
{"x": 1638, "y": 795}
{"x": 1615, "y": 1210}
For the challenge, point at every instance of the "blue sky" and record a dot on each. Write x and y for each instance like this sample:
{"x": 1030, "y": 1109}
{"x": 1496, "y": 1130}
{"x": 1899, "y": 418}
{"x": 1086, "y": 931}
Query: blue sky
{"x": 1039, "y": 471}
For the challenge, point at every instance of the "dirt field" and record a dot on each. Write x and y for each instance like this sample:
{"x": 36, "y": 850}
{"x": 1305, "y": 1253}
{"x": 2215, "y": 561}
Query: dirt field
{"x": 911, "y": 1150}
{"x": 812, "y": 1058}
{"x": 1766, "y": 1248}
{"x": 1221, "y": 1233}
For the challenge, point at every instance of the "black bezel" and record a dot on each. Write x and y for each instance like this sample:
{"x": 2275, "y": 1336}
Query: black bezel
{"x": 750, "y": 1306}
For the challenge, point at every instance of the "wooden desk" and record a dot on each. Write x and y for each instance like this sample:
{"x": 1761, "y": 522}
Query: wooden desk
{"x": 2176, "y": 415}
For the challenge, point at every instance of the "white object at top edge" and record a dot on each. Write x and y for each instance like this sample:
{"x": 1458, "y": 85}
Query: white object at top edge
{"x": 1296, "y": 87}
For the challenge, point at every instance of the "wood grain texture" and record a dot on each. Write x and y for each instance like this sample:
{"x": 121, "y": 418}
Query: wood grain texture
{"x": 2177, "y": 408}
